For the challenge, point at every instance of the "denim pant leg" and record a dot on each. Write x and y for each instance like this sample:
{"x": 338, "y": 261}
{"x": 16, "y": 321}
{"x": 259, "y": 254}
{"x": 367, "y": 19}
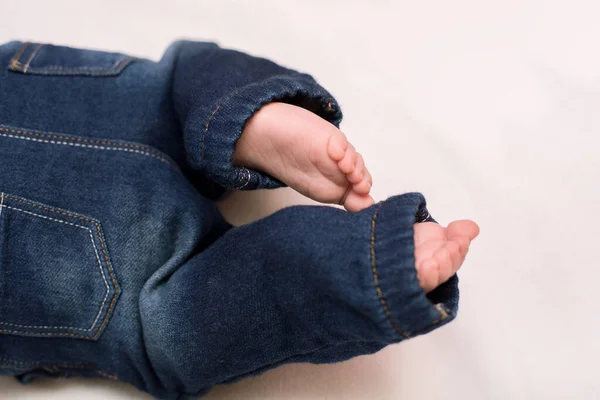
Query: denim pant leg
{"x": 307, "y": 284}
{"x": 215, "y": 92}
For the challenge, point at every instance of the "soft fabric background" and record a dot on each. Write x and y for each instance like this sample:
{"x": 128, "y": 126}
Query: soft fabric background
{"x": 491, "y": 109}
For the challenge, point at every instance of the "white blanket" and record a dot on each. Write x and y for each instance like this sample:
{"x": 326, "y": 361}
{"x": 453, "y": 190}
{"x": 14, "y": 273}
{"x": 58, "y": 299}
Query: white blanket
{"x": 490, "y": 108}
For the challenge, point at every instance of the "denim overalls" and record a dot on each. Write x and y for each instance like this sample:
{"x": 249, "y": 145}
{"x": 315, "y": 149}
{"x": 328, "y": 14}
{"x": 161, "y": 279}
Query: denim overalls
{"x": 115, "y": 262}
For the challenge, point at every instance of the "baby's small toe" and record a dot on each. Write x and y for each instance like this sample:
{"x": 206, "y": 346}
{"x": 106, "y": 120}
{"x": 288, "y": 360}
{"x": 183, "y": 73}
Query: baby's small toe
{"x": 347, "y": 163}
{"x": 357, "y": 175}
{"x": 354, "y": 202}
{"x": 337, "y": 145}
{"x": 364, "y": 186}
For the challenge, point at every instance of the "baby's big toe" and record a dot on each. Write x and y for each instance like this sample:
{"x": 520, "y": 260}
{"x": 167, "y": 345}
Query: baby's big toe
{"x": 337, "y": 146}
{"x": 464, "y": 228}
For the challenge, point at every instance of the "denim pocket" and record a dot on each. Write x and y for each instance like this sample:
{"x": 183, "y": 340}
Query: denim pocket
{"x": 56, "y": 278}
{"x": 47, "y": 59}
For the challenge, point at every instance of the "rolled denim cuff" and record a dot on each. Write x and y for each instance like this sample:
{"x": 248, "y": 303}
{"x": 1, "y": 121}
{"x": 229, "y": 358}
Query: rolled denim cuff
{"x": 225, "y": 124}
{"x": 406, "y": 310}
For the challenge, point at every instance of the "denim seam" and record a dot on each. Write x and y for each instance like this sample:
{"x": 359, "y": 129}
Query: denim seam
{"x": 86, "y": 71}
{"x": 107, "y": 262}
{"x": 443, "y": 314}
{"x": 206, "y": 127}
{"x": 75, "y": 69}
{"x": 79, "y": 145}
{"x": 382, "y": 300}
{"x": 33, "y": 53}
{"x": 99, "y": 267}
{"x": 229, "y": 97}
{"x": 93, "y": 143}
{"x": 17, "y": 65}
{"x": 39, "y": 364}
{"x": 43, "y": 216}
{"x": 17, "y": 59}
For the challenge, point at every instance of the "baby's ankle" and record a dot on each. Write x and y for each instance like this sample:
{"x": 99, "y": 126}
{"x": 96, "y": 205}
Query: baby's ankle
{"x": 248, "y": 145}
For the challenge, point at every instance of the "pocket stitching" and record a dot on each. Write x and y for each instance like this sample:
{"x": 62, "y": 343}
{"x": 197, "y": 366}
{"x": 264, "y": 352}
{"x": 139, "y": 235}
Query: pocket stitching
{"x": 85, "y": 71}
{"x": 31, "y": 57}
{"x": 92, "y": 69}
{"x": 115, "y": 285}
{"x": 16, "y": 65}
{"x": 99, "y": 267}
{"x": 17, "y": 59}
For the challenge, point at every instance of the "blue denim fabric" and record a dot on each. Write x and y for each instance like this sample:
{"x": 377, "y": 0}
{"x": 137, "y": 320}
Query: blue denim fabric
{"x": 115, "y": 262}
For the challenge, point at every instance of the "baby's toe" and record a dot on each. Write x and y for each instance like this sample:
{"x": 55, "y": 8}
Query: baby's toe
{"x": 354, "y": 202}
{"x": 463, "y": 228}
{"x": 337, "y": 145}
{"x": 347, "y": 163}
{"x": 364, "y": 186}
{"x": 357, "y": 175}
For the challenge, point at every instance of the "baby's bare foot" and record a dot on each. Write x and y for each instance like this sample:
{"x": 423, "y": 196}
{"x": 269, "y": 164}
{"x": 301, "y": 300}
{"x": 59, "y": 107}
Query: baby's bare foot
{"x": 439, "y": 251}
{"x": 307, "y": 153}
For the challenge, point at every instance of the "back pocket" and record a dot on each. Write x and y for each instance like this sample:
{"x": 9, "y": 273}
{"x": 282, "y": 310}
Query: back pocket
{"x": 47, "y": 59}
{"x": 56, "y": 279}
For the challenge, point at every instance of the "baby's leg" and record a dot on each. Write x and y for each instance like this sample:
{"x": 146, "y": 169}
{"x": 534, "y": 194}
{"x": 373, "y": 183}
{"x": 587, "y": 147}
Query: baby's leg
{"x": 312, "y": 284}
{"x": 280, "y": 124}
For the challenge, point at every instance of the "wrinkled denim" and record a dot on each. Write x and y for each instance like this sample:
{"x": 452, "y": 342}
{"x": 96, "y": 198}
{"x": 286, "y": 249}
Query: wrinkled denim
{"x": 115, "y": 262}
